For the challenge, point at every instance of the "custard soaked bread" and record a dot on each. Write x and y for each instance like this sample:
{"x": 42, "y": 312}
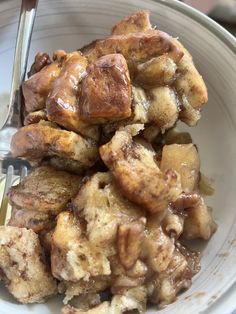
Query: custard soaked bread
{"x": 106, "y": 90}
{"x": 115, "y": 191}
{"x": 46, "y": 139}
{"x": 45, "y": 189}
{"x": 23, "y": 266}
{"x": 137, "y": 174}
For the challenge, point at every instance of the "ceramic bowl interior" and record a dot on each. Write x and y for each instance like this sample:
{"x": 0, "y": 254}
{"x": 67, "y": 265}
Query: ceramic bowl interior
{"x": 68, "y": 25}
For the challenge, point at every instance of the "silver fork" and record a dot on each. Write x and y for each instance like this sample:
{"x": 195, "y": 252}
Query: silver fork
{"x": 9, "y": 165}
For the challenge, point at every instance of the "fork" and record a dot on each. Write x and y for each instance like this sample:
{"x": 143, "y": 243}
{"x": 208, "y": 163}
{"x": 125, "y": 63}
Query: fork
{"x": 9, "y": 165}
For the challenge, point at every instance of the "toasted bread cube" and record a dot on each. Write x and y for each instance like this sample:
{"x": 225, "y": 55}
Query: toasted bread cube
{"x": 190, "y": 83}
{"x": 184, "y": 159}
{"x": 73, "y": 166}
{"x": 43, "y": 139}
{"x": 135, "y": 47}
{"x": 103, "y": 207}
{"x": 137, "y": 22}
{"x": 137, "y": 174}
{"x": 199, "y": 222}
{"x": 106, "y": 90}
{"x": 73, "y": 257}
{"x": 45, "y": 189}
{"x": 138, "y": 117}
{"x": 62, "y": 102}
{"x": 31, "y": 219}
{"x": 23, "y": 267}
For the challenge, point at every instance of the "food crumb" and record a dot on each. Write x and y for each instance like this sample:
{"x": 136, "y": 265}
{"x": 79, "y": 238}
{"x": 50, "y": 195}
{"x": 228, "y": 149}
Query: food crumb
{"x": 232, "y": 242}
{"x": 225, "y": 254}
{"x": 200, "y": 294}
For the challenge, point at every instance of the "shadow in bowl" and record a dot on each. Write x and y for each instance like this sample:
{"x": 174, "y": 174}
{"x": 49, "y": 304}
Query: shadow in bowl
{"x": 5, "y": 295}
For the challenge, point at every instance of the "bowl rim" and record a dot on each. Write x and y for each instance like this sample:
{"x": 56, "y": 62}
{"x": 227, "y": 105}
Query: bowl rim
{"x": 219, "y": 31}
{"x": 230, "y": 41}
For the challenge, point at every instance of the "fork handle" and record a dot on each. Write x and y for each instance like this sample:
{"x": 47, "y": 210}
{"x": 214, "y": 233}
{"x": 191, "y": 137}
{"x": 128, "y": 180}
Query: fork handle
{"x": 24, "y": 33}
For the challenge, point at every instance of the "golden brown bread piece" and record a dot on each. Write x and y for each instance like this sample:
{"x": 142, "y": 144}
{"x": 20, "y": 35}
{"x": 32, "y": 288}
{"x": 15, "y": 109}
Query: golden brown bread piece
{"x": 42, "y": 139}
{"x": 23, "y": 267}
{"x": 184, "y": 159}
{"x": 103, "y": 207}
{"x": 106, "y": 90}
{"x": 73, "y": 257}
{"x": 190, "y": 87}
{"x": 190, "y": 82}
{"x": 135, "y": 47}
{"x": 137, "y": 174}
{"x": 137, "y": 22}
{"x": 62, "y": 102}
{"x": 36, "y": 88}
{"x": 139, "y": 116}
{"x": 31, "y": 219}
{"x": 67, "y": 164}
{"x": 45, "y": 190}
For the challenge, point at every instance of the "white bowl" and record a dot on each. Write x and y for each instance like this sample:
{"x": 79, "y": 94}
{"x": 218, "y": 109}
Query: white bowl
{"x": 68, "y": 25}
